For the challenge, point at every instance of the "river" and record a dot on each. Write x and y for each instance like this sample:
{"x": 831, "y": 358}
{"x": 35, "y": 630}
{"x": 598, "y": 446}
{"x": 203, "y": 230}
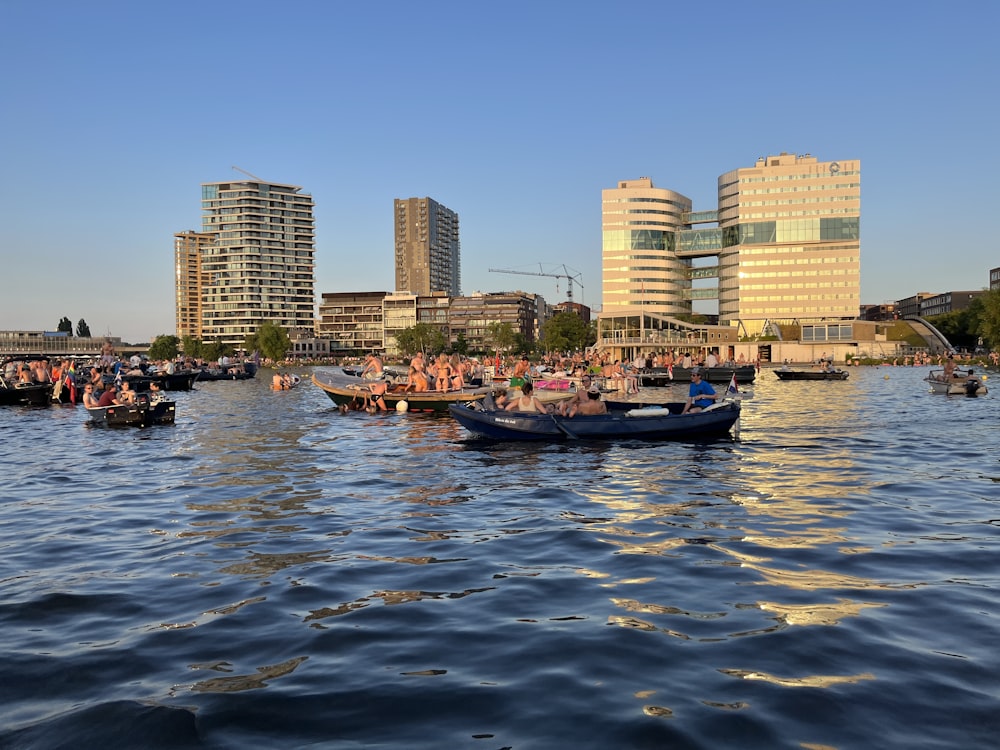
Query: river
{"x": 269, "y": 573}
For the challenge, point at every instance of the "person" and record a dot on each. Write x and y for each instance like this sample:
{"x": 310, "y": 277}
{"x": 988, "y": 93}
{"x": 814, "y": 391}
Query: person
{"x": 593, "y": 404}
{"x": 89, "y": 399}
{"x": 155, "y": 392}
{"x": 580, "y": 397}
{"x": 444, "y": 373}
{"x": 520, "y": 374}
{"x": 109, "y": 397}
{"x": 278, "y": 381}
{"x": 126, "y": 395}
{"x": 700, "y": 394}
{"x": 376, "y": 393}
{"x": 527, "y": 402}
{"x": 373, "y": 368}
{"x": 950, "y": 368}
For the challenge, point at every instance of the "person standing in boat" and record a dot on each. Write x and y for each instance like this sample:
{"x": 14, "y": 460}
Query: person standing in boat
{"x": 700, "y": 395}
{"x": 373, "y": 368}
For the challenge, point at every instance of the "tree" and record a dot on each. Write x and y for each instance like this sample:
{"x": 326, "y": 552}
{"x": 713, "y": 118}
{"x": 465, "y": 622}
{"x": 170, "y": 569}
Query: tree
{"x": 271, "y": 340}
{"x": 422, "y": 337}
{"x": 565, "y": 331}
{"x": 82, "y": 329}
{"x": 499, "y": 337}
{"x": 989, "y": 318}
{"x": 461, "y": 344}
{"x": 65, "y": 326}
{"x": 164, "y": 347}
{"x": 192, "y": 347}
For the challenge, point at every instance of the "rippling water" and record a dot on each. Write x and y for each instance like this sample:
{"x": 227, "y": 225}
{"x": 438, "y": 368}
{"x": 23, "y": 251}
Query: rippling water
{"x": 270, "y": 573}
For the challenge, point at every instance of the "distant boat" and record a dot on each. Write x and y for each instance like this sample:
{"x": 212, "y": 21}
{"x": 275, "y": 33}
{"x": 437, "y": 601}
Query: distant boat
{"x": 661, "y": 376}
{"x": 143, "y": 413}
{"x": 812, "y": 374}
{"x": 958, "y": 385}
{"x": 344, "y": 389}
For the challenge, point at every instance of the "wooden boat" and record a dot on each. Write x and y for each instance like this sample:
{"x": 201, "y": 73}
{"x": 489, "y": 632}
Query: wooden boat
{"x": 663, "y": 421}
{"x": 141, "y": 414}
{"x": 837, "y": 374}
{"x": 661, "y": 376}
{"x": 968, "y": 384}
{"x": 345, "y": 389}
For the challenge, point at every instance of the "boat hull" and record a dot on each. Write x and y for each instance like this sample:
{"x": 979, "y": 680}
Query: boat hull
{"x": 345, "y": 390}
{"x": 133, "y": 415}
{"x": 663, "y": 422}
{"x": 36, "y": 394}
{"x": 811, "y": 375}
{"x": 661, "y": 376}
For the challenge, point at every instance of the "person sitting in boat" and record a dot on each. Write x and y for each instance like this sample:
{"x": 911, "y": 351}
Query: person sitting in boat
{"x": 700, "y": 395}
{"x": 593, "y": 404}
{"x": 89, "y": 399}
{"x": 579, "y": 398}
{"x": 278, "y": 382}
{"x": 528, "y": 401}
{"x": 155, "y": 393}
{"x": 109, "y": 397}
{"x": 125, "y": 394}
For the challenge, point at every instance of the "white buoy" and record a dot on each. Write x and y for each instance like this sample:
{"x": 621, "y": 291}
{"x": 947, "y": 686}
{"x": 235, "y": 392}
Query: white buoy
{"x": 401, "y": 406}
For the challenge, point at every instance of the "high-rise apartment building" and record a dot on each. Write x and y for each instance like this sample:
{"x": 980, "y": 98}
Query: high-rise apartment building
{"x": 427, "y": 247}
{"x": 786, "y": 244}
{"x": 256, "y": 257}
{"x": 189, "y": 248}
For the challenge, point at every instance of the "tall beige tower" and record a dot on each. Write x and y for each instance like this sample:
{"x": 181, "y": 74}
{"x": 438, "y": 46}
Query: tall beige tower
{"x": 640, "y": 265}
{"x": 189, "y": 248}
{"x": 791, "y": 241}
{"x": 428, "y": 255}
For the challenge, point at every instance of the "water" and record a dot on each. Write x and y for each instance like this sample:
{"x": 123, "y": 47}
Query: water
{"x": 269, "y": 573}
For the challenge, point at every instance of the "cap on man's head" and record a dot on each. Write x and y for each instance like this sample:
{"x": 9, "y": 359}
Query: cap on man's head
{"x": 593, "y": 389}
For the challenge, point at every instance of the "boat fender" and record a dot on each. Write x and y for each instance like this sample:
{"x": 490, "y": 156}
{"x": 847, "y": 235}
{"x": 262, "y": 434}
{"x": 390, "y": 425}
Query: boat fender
{"x": 649, "y": 411}
{"x": 402, "y": 406}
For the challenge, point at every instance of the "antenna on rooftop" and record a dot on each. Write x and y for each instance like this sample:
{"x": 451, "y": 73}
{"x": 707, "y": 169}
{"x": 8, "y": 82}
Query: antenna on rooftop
{"x": 248, "y": 174}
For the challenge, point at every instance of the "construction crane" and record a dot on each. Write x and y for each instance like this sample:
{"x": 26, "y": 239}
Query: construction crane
{"x": 570, "y": 277}
{"x": 248, "y": 174}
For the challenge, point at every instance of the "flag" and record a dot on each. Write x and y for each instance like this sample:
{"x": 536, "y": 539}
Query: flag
{"x": 670, "y": 371}
{"x": 732, "y": 390}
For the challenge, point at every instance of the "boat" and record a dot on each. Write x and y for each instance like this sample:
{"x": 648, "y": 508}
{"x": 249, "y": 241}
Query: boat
{"x": 143, "y": 413}
{"x": 238, "y": 371}
{"x": 661, "y": 376}
{"x": 968, "y": 384}
{"x": 26, "y": 394}
{"x": 836, "y": 374}
{"x": 345, "y": 390}
{"x": 662, "y": 421}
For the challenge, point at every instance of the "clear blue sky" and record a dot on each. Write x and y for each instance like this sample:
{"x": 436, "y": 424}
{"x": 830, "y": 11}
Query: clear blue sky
{"x": 516, "y": 115}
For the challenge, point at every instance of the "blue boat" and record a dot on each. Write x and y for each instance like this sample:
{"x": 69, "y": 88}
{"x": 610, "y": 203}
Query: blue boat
{"x": 663, "y": 421}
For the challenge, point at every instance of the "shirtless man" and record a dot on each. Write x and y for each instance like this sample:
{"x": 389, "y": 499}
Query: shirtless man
{"x": 373, "y": 368}
{"x": 593, "y": 404}
{"x": 579, "y": 398}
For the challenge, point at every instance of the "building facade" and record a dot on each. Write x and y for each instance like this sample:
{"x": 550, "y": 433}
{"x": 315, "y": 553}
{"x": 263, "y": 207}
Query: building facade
{"x": 352, "y": 321}
{"x": 189, "y": 248}
{"x": 946, "y": 302}
{"x": 256, "y": 257}
{"x": 427, "y": 247}
{"x": 785, "y": 245}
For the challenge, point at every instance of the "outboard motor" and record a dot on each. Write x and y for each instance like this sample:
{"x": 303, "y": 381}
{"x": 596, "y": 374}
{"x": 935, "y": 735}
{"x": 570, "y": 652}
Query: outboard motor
{"x": 971, "y": 387}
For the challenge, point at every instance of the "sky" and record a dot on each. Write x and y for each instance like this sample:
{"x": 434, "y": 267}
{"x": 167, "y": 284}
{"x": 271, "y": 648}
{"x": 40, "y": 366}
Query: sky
{"x": 514, "y": 115}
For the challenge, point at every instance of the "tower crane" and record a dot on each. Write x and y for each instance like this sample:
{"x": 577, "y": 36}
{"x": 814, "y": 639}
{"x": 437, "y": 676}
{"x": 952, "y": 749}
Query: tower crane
{"x": 248, "y": 174}
{"x": 570, "y": 277}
